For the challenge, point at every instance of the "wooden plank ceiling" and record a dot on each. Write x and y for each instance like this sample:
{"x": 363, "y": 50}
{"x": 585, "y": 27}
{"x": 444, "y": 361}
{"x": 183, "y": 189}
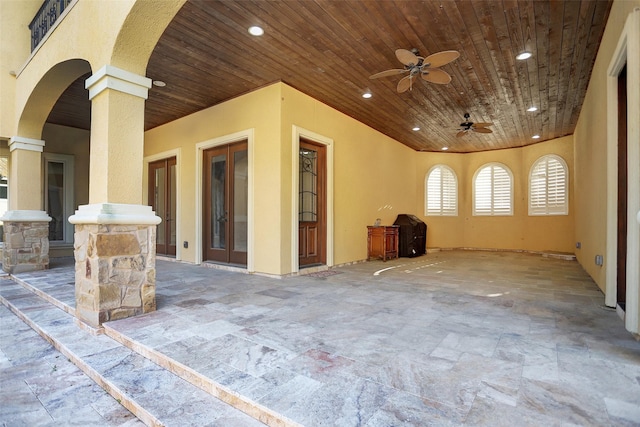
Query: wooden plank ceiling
{"x": 328, "y": 50}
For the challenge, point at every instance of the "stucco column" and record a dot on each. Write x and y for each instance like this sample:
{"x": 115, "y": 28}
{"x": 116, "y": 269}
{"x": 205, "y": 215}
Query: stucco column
{"x": 26, "y": 172}
{"x": 115, "y": 236}
{"x": 117, "y": 135}
{"x": 25, "y": 225}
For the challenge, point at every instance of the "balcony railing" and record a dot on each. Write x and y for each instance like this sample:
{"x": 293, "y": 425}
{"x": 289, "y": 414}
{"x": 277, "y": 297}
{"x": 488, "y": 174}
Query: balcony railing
{"x": 48, "y": 14}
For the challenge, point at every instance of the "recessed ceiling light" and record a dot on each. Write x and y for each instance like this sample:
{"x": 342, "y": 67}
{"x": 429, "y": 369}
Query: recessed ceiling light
{"x": 415, "y": 129}
{"x": 256, "y": 31}
{"x": 524, "y": 55}
{"x": 367, "y": 95}
{"x": 445, "y": 148}
{"x": 535, "y": 137}
{"x": 532, "y": 109}
{"x": 159, "y": 83}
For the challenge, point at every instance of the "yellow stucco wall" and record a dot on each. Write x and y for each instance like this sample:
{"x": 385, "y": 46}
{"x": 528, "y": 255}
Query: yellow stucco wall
{"x": 518, "y": 232}
{"x": 591, "y": 151}
{"x": 15, "y": 40}
{"x": 374, "y": 175}
{"x": 259, "y": 111}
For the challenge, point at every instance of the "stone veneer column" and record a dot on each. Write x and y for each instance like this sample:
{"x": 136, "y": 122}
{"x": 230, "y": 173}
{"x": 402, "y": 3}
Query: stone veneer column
{"x": 26, "y": 241}
{"x": 115, "y": 252}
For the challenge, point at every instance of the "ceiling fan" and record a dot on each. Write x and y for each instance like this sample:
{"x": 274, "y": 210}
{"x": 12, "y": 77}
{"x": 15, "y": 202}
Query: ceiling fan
{"x": 468, "y": 125}
{"x": 415, "y": 65}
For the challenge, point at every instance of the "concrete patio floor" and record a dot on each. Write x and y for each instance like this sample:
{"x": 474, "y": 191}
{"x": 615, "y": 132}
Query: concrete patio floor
{"x": 450, "y": 338}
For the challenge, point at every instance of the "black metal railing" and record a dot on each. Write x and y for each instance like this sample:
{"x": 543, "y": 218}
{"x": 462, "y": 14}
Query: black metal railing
{"x": 47, "y": 15}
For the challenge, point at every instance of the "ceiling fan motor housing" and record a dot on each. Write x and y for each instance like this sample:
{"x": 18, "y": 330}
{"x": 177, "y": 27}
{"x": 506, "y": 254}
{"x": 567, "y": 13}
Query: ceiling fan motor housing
{"x": 467, "y": 123}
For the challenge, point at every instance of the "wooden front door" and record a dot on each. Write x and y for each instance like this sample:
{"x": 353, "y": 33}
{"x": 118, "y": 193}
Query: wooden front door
{"x": 162, "y": 198}
{"x": 225, "y": 198}
{"x": 312, "y": 211}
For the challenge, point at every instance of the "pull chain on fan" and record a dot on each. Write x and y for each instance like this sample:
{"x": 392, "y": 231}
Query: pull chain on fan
{"x": 416, "y": 66}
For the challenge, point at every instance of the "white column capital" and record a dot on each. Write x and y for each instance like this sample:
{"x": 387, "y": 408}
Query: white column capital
{"x": 28, "y": 144}
{"x": 115, "y": 213}
{"x": 110, "y": 77}
{"x": 25, "y": 216}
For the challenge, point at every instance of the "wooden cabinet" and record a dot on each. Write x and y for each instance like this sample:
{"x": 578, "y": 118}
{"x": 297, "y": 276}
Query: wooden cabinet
{"x": 383, "y": 242}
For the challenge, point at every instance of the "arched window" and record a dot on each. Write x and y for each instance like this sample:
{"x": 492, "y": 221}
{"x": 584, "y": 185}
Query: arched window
{"x": 441, "y": 191}
{"x": 549, "y": 186}
{"x": 493, "y": 190}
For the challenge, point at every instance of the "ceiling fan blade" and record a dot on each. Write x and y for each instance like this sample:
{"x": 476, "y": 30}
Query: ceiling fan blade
{"x": 481, "y": 130}
{"x": 461, "y": 133}
{"x": 387, "y": 73}
{"x": 482, "y": 125}
{"x": 436, "y": 75}
{"x": 441, "y": 58}
{"x": 404, "y": 84}
{"x": 406, "y": 57}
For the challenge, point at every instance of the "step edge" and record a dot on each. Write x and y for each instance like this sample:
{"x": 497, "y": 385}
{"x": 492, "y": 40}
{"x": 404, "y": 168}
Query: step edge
{"x": 45, "y": 296}
{"x": 121, "y": 397}
{"x": 254, "y": 409}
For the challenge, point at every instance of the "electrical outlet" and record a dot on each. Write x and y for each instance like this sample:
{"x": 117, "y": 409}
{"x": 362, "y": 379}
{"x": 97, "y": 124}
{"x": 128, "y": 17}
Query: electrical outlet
{"x": 578, "y": 245}
{"x": 185, "y": 244}
{"x": 599, "y": 260}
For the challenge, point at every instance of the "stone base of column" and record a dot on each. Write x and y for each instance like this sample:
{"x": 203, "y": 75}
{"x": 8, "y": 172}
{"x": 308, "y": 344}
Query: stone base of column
{"x": 114, "y": 248}
{"x": 26, "y": 241}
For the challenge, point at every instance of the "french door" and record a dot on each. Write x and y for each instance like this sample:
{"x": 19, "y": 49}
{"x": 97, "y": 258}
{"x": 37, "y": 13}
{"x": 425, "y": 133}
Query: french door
{"x": 312, "y": 211}
{"x": 226, "y": 172}
{"x": 162, "y": 198}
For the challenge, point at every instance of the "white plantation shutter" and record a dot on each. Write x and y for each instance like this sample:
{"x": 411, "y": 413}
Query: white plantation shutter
{"x": 548, "y": 187}
{"x": 442, "y": 192}
{"x": 493, "y": 191}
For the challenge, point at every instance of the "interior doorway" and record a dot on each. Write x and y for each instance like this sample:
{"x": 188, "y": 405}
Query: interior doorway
{"x": 225, "y": 216}
{"x": 59, "y": 196}
{"x": 312, "y": 204}
{"x": 621, "y": 256}
{"x": 162, "y": 198}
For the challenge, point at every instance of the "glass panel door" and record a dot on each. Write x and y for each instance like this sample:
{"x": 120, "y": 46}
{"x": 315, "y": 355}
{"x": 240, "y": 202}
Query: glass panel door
{"x": 59, "y": 196}
{"x": 162, "y": 198}
{"x": 226, "y": 204}
{"x": 311, "y": 204}
{"x": 173, "y": 206}
{"x": 55, "y": 200}
{"x": 240, "y": 200}
{"x": 218, "y": 218}
{"x": 159, "y": 193}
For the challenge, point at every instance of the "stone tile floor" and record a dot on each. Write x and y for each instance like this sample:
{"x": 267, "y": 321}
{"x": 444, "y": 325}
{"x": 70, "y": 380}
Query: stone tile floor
{"x": 41, "y": 387}
{"x": 450, "y": 338}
